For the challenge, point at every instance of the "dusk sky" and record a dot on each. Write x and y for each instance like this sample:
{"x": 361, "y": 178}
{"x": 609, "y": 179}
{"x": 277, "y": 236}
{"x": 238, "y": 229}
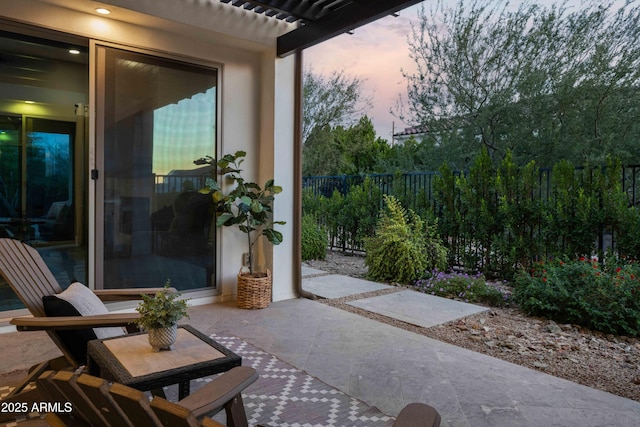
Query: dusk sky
{"x": 376, "y": 53}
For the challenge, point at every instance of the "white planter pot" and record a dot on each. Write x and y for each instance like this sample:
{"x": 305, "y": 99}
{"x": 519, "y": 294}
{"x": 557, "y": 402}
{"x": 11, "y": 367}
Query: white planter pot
{"x": 163, "y": 338}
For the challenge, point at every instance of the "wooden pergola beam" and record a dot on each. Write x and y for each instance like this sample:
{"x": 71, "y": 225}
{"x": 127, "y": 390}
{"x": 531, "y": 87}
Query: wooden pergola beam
{"x": 344, "y": 19}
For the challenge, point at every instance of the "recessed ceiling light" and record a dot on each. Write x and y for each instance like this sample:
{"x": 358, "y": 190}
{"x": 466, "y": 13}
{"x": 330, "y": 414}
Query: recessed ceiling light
{"x": 74, "y": 51}
{"x": 103, "y": 11}
{"x": 29, "y": 102}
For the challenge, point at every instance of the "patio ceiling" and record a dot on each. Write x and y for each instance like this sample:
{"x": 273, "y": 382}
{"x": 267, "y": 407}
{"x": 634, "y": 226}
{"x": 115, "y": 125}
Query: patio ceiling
{"x": 320, "y": 20}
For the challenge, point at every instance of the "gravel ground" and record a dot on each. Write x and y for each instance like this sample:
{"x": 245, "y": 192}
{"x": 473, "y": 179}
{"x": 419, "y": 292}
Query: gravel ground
{"x": 606, "y": 362}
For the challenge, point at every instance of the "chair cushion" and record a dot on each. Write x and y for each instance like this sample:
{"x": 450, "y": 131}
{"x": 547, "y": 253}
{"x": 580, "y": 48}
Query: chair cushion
{"x": 78, "y": 300}
{"x": 74, "y": 339}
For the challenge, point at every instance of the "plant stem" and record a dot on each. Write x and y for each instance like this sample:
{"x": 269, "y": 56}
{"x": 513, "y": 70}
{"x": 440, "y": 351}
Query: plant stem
{"x": 250, "y": 249}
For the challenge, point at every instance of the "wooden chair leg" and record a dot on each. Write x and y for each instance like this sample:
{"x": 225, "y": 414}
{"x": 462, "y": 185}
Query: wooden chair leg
{"x": 34, "y": 373}
{"x": 236, "y": 415}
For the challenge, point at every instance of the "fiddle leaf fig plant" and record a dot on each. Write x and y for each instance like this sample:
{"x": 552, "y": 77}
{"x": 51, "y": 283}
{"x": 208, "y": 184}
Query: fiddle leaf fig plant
{"x": 246, "y": 205}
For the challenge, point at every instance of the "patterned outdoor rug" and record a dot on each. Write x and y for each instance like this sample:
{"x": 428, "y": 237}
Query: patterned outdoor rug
{"x": 284, "y": 396}
{"x": 287, "y": 397}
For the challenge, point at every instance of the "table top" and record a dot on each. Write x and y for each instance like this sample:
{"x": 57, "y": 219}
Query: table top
{"x": 130, "y": 360}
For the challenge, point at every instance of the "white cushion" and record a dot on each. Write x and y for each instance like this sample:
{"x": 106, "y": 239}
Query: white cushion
{"x": 88, "y": 304}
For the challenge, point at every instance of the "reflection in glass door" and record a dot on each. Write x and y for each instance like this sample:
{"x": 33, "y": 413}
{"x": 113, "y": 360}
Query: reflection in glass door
{"x": 36, "y": 179}
{"x": 49, "y": 192}
{"x": 159, "y": 116}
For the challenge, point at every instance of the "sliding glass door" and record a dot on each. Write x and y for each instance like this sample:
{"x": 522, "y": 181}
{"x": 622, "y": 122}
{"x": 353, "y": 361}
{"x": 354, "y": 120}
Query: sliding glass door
{"x": 158, "y": 117}
{"x": 44, "y": 88}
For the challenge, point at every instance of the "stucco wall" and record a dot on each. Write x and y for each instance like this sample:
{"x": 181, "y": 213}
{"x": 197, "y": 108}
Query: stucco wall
{"x": 256, "y": 112}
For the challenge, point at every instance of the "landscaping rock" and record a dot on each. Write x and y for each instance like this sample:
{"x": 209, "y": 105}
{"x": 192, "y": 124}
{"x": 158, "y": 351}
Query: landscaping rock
{"x": 606, "y": 362}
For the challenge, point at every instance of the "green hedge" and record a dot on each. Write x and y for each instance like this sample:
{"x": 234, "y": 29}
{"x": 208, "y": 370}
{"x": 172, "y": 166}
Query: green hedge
{"x": 499, "y": 217}
{"x": 314, "y": 239}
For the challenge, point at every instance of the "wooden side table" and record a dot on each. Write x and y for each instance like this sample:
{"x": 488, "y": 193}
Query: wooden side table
{"x": 130, "y": 360}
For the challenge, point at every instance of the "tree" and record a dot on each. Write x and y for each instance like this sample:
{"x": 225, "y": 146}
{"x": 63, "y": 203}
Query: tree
{"x": 322, "y": 153}
{"x": 545, "y": 83}
{"x": 362, "y": 148}
{"x": 343, "y": 151}
{"x": 331, "y": 100}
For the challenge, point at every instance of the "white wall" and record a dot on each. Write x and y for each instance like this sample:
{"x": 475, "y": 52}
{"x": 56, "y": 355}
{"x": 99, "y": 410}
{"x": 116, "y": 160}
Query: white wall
{"x": 257, "y": 93}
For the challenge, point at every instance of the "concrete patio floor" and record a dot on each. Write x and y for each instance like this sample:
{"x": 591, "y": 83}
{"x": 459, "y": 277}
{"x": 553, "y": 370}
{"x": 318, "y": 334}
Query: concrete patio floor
{"x": 388, "y": 367}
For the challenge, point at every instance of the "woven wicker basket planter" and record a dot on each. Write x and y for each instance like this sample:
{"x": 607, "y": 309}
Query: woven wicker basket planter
{"x": 254, "y": 292}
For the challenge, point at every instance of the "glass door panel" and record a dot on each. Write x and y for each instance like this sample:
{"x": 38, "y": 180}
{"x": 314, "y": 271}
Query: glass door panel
{"x": 43, "y": 141}
{"x": 49, "y": 192}
{"x": 159, "y": 116}
{"x": 10, "y": 171}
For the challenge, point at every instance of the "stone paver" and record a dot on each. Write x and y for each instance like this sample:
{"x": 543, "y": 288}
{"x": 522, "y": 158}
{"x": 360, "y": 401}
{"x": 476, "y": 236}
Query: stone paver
{"x": 337, "y": 286}
{"x": 389, "y": 367}
{"x": 309, "y": 271}
{"x": 418, "y": 308}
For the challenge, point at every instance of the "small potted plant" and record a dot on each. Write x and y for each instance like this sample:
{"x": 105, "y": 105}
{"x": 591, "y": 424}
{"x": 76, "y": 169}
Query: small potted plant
{"x": 159, "y": 316}
{"x": 248, "y": 206}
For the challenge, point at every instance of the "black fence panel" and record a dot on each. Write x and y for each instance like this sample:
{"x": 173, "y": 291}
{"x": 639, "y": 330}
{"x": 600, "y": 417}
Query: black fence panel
{"x": 416, "y": 190}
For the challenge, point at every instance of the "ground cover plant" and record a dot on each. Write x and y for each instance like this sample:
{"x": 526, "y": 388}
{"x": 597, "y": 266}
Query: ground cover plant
{"x": 603, "y": 296}
{"x": 472, "y": 288}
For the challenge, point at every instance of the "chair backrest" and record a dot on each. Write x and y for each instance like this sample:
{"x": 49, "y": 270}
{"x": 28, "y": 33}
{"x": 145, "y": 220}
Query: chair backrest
{"x": 26, "y": 272}
{"x": 97, "y": 403}
{"x": 30, "y": 278}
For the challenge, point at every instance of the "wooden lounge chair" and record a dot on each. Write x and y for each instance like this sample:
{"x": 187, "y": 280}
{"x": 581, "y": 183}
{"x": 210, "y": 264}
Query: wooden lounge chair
{"x": 26, "y": 272}
{"x": 95, "y": 402}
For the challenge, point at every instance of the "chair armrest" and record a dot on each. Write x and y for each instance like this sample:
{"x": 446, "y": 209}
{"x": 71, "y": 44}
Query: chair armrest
{"x": 208, "y": 422}
{"x": 73, "y": 322}
{"x": 211, "y": 398}
{"x": 128, "y": 294}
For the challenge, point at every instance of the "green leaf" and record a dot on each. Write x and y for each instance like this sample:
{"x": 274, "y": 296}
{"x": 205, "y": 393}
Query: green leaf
{"x": 272, "y": 235}
{"x": 212, "y": 184}
{"x": 256, "y": 206}
{"x": 246, "y": 229}
{"x": 217, "y": 196}
{"x": 223, "y": 218}
{"x": 226, "y": 170}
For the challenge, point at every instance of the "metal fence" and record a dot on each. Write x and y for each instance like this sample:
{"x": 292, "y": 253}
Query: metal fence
{"x": 419, "y": 186}
{"x": 417, "y": 189}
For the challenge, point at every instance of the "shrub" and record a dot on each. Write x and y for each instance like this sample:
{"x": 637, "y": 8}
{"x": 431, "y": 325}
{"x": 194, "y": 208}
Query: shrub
{"x": 403, "y": 246}
{"x": 314, "y": 239}
{"x": 359, "y": 213}
{"x": 600, "y": 296}
{"x": 462, "y": 286}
